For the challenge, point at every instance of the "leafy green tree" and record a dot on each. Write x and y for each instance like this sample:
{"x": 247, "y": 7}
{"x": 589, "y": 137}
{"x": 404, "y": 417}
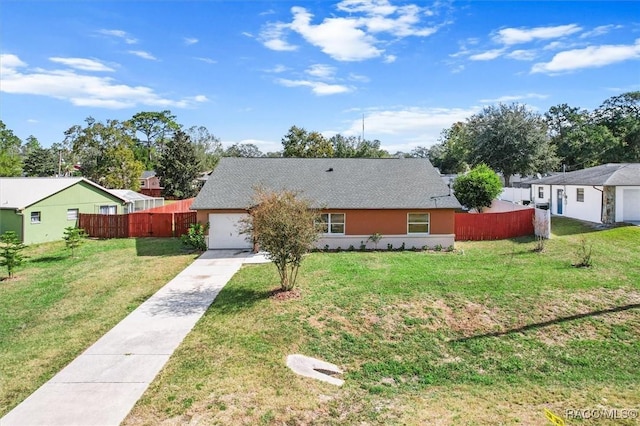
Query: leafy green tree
{"x": 294, "y": 143}
{"x": 579, "y": 141}
{"x": 451, "y": 154}
{"x": 156, "y": 128}
{"x": 178, "y": 167}
{"x": 478, "y": 188}
{"x": 317, "y": 146}
{"x": 246, "y": 150}
{"x": 10, "y": 161}
{"x": 73, "y": 238}
{"x": 510, "y": 139}
{"x": 621, "y": 115}
{"x": 343, "y": 146}
{"x": 105, "y": 153}
{"x": 39, "y": 161}
{"x": 11, "y": 251}
{"x": 208, "y": 147}
{"x": 286, "y": 227}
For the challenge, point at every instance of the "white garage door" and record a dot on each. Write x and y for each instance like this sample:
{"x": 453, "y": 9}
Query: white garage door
{"x": 631, "y": 204}
{"x": 224, "y": 231}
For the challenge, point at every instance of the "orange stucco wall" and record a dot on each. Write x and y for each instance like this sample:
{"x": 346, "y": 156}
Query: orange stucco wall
{"x": 367, "y": 222}
{"x": 393, "y": 222}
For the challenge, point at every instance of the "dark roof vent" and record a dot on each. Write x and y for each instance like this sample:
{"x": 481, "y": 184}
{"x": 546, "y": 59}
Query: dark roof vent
{"x": 330, "y": 169}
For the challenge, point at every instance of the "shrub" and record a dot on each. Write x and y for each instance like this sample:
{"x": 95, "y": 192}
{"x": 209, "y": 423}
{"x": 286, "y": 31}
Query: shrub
{"x": 195, "y": 236}
{"x": 375, "y": 238}
{"x": 73, "y": 238}
{"x": 584, "y": 255}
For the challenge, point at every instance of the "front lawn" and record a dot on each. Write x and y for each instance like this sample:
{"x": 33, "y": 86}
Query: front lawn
{"x": 59, "y": 305}
{"x": 493, "y": 333}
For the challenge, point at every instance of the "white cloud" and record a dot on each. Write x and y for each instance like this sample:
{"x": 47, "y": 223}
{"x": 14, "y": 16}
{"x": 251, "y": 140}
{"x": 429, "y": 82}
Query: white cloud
{"x": 142, "y": 54}
{"x": 389, "y": 59}
{"x": 510, "y": 36}
{"x": 83, "y": 64}
{"x": 81, "y": 89}
{"x": 321, "y": 71}
{"x": 340, "y": 38}
{"x": 317, "y": 87}
{"x": 601, "y": 30}
{"x": 412, "y": 125}
{"x": 358, "y": 77}
{"x": 278, "y": 69}
{"x": 190, "y": 40}
{"x": 273, "y": 37}
{"x": 488, "y": 55}
{"x": 589, "y": 57}
{"x": 523, "y": 55}
{"x": 206, "y": 60}
{"x": 119, "y": 34}
{"x": 357, "y": 36}
{"x": 514, "y": 98}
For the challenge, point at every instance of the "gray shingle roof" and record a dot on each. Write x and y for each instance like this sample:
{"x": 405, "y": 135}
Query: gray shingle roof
{"x": 352, "y": 183}
{"x": 148, "y": 174}
{"x": 612, "y": 174}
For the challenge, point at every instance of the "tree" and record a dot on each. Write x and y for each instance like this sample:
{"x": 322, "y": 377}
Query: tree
{"x": 478, "y": 188}
{"x": 10, "y": 251}
{"x": 578, "y": 140}
{"x": 510, "y": 139}
{"x": 294, "y": 143}
{"x": 157, "y": 128}
{"x": 105, "y": 154}
{"x": 246, "y": 150}
{"x": 621, "y": 115}
{"x": 451, "y": 154}
{"x": 208, "y": 147}
{"x": 178, "y": 167}
{"x": 10, "y": 162}
{"x": 39, "y": 161}
{"x": 286, "y": 227}
{"x": 73, "y": 238}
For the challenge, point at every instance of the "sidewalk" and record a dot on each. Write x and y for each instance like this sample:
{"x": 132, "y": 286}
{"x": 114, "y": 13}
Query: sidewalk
{"x": 102, "y": 385}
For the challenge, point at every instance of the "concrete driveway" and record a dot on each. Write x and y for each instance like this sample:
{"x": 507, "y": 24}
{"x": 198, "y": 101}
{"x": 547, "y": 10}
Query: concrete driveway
{"x": 102, "y": 385}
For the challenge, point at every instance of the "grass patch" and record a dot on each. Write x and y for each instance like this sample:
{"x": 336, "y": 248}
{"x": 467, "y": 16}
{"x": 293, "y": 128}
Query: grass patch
{"x": 59, "y": 305}
{"x": 494, "y": 335}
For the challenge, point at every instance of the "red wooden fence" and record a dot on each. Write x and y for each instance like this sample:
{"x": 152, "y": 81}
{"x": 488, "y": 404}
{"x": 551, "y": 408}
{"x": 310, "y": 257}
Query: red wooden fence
{"x": 136, "y": 224}
{"x": 494, "y": 226}
{"x": 179, "y": 206}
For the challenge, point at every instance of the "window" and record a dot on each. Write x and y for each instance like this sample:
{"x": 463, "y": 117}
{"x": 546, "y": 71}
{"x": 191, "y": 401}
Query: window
{"x": 108, "y": 210}
{"x": 580, "y": 195}
{"x": 418, "y": 223}
{"x": 541, "y": 192}
{"x": 72, "y": 214}
{"x": 332, "y": 223}
{"x": 143, "y": 183}
{"x": 35, "y": 217}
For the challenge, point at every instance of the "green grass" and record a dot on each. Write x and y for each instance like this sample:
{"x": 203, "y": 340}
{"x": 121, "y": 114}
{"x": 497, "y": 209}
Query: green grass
{"x": 493, "y": 333}
{"x": 59, "y": 305}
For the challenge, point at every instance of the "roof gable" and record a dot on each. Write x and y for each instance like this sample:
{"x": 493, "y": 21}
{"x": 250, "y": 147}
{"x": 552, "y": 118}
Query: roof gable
{"x": 612, "y": 174}
{"x": 20, "y": 193}
{"x": 337, "y": 183}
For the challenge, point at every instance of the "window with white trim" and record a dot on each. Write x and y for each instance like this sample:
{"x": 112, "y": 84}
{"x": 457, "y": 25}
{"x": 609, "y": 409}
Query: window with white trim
{"x": 35, "y": 217}
{"x": 332, "y": 223}
{"x": 580, "y": 195}
{"x": 541, "y": 192}
{"x": 72, "y": 214}
{"x": 418, "y": 223}
{"x": 108, "y": 209}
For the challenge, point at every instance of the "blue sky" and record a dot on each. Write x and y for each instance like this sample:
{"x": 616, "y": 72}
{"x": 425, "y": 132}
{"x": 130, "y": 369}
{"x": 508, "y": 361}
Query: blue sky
{"x": 249, "y": 70}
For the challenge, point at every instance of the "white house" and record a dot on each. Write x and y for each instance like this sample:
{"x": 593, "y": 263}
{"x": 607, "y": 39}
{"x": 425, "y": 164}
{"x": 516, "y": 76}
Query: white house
{"x": 607, "y": 193}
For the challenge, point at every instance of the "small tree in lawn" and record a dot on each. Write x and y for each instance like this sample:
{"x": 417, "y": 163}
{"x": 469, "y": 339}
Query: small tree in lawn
{"x": 73, "y": 238}
{"x": 10, "y": 251}
{"x": 478, "y": 188}
{"x": 286, "y": 227}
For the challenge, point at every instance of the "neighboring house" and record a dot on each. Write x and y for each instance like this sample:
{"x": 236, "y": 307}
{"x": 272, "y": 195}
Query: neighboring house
{"x": 136, "y": 201}
{"x": 39, "y": 209}
{"x": 405, "y": 200}
{"x": 607, "y": 194}
{"x": 150, "y": 184}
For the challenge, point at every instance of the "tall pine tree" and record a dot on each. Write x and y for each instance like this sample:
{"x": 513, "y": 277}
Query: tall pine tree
{"x": 178, "y": 167}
